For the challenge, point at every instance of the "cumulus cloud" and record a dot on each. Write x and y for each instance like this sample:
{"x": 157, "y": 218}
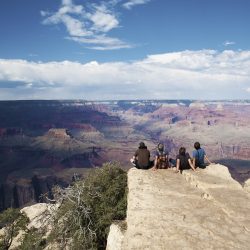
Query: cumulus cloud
{"x": 130, "y": 4}
{"x": 74, "y": 26}
{"x": 103, "y": 20}
{"x": 204, "y": 74}
{"x": 91, "y": 21}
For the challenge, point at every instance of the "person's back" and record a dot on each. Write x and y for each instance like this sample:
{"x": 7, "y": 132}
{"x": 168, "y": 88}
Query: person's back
{"x": 199, "y": 156}
{"x": 142, "y": 156}
{"x": 183, "y": 160}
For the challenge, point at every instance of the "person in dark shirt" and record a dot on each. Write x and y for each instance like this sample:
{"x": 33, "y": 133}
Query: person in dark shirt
{"x": 183, "y": 161}
{"x": 141, "y": 157}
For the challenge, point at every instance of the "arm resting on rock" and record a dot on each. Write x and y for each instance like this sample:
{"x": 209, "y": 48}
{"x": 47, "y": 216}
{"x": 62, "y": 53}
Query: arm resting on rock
{"x": 191, "y": 164}
{"x": 208, "y": 160}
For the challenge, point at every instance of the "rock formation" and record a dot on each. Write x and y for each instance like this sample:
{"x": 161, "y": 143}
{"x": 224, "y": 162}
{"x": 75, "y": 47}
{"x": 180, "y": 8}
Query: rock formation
{"x": 247, "y": 185}
{"x": 196, "y": 210}
{"x": 18, "y": 193}
{"x": 58, "y": 133}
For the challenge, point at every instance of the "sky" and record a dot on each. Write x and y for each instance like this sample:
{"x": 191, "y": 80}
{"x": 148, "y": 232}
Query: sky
{"x": 124, "y": 49}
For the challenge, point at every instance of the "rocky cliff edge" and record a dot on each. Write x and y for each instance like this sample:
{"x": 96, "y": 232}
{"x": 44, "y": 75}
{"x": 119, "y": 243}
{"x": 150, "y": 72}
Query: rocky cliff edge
{"x": 193, "y": 210}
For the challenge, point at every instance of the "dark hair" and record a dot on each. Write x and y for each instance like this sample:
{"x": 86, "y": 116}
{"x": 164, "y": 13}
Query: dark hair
{"x": 142, "y": 145}
{"x": 182, "y": 151}
{"x": 197, "y": 145}
{"x": 160, "y": 147}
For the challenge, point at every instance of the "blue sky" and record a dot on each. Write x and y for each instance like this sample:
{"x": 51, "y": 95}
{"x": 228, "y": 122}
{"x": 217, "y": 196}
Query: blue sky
{"x": 124, "y": 49}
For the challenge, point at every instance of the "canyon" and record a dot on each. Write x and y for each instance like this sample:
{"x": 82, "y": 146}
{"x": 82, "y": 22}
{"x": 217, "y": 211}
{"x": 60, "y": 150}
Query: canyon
{"x": 47, "y": 143}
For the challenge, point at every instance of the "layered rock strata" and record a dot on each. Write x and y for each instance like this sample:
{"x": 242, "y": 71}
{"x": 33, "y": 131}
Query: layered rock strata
{"x": 194, "y": 210}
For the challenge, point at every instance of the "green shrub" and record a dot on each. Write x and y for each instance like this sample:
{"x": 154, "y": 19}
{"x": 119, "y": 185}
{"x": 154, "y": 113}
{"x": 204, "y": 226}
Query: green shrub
{"x": 88, "y": 208}
{"x": 13, "y": 221}
{"x": 33, "y": 240}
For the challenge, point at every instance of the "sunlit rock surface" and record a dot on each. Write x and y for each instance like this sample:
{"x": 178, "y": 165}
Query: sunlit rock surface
{"x": 196, "y": 210}
{"x": 247, "y": 185}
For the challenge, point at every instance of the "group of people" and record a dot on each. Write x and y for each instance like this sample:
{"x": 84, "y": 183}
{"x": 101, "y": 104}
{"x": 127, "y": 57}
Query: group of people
{"x": 141, "y": 158}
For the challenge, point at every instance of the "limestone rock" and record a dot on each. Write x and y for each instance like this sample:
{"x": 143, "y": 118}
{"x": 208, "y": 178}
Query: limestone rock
{"x": 116, "y": 236}
{"x": 38, "y": 214}
{"x": 194, "y": 210}
{"x": 247, "y": 185}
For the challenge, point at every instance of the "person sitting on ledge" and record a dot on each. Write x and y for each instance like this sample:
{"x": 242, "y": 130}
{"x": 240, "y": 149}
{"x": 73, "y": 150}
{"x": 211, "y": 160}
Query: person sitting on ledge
{"x": 141, "y": 158}
{"x": 199, "y": 156}
{"x": 183, "y": 161}
{"x": 161, "y": 158}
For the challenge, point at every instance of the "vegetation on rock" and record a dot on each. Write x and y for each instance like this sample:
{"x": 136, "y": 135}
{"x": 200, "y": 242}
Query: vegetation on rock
{"x": 81, "y": 218}
{"x": 12, "y": 221}
{"x": 88, "y": 208}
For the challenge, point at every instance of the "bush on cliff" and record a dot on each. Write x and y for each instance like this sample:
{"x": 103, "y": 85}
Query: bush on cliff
{"x": 88, "y": 208}
{"x": 33, "y": 239}
{"x": 12, "y": 221}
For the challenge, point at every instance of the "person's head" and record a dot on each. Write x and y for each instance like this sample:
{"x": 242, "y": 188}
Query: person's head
{"x": 142, "y": 145}
{"x": 182, "y": 151}
{"x": 160, "y": 147}
{"x": 197, "y": 145}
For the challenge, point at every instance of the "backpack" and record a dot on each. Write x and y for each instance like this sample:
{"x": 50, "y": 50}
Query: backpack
{"x": 162, "y": 160}
{"x": 162, "y": 157}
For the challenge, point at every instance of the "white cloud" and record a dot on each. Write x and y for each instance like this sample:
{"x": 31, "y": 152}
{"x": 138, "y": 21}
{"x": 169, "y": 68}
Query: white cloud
{"x": 228, "y": 43}
{"x": 103, "y": 21}
{"x": 44, "y": 13}
{"x": 74, "y": 26}
{"x": 104, "y": 42}
{"x": 86, "y": 24}
{"x": 129, "y": 4}
{"x": 205, "y": 74}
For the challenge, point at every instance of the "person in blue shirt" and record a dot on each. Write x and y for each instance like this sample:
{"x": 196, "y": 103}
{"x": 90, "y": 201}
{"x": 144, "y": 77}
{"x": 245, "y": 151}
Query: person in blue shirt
{"x": 199, "y": 156}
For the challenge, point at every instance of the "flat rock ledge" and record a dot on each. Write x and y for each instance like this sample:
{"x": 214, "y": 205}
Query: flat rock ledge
{"x": 193, "y": 210}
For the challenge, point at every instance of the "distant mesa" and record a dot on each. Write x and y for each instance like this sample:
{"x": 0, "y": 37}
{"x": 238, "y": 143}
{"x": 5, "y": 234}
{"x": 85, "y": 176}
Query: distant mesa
{"x": 58, "y": 133}
{"x": 170, "y": 105}
{"x": 197, "y": 105}
{"x": 219, "y": 107}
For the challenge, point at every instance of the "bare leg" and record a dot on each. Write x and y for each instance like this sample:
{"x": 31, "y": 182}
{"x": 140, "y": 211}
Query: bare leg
{"x": 154, "y": 168}
{"x": 177, "y": 166}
